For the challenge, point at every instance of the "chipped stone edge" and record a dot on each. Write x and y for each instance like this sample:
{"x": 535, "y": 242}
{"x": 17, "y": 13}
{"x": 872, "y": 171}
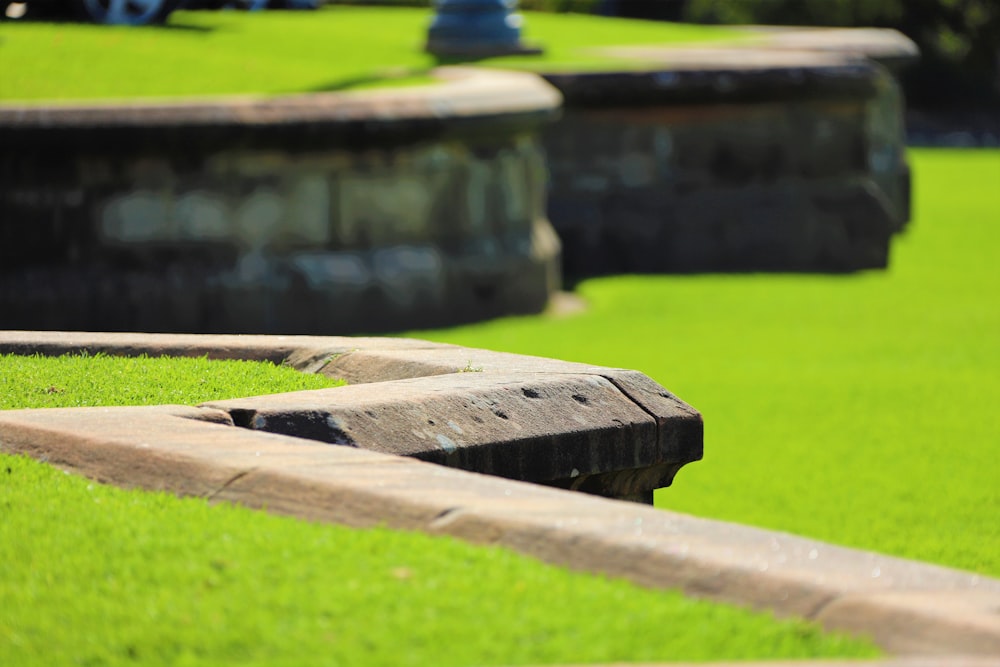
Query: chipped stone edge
{"x": 907, "y": 607}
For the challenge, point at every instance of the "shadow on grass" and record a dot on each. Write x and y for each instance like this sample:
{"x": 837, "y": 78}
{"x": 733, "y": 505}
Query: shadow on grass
{"x": 403, "y": 76}
{"x": 411, "y": 76}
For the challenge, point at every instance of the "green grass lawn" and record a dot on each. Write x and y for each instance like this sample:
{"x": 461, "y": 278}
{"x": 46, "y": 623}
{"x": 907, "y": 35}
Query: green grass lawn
{"x": 74, "y": 381}
{"x": 96, "y": 575}
{"x": 859, "y": 409}
{"x": 336, "y": 48}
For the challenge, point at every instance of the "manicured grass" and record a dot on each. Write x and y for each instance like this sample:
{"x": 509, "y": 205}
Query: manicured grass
{"x": 98, "y": 575}
{"x": 79, "y": 380}
{"x": 859, "y": 409}
{"x": 337, "y": 48}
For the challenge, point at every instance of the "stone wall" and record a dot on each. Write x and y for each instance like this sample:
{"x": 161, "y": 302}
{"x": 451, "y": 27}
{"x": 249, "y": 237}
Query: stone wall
{"x": 329, "y": 214}
{"x": 729, "y": 159}
{"x": 430, "y": 206}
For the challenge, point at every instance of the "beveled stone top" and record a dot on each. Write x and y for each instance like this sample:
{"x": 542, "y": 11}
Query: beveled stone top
{"x": 461, "y": 95}
{"x": 612, "y": 432}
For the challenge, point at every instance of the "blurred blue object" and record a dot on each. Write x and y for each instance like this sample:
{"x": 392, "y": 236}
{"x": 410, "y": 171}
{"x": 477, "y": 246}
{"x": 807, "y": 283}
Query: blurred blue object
{"x": 475, "y": 28}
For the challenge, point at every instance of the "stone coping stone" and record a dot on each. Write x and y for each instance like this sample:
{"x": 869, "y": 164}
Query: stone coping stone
{"x": 463, "y": 99}
{"x": 908, "y": 607}
{"x": 574, "y": 430}
{"x": 304, "y": 353}
{"x": 884, "y": 45}
{"x": 715, "y": 75}
{"x": 774, "y": 65}
{"x": 611, "y": 432}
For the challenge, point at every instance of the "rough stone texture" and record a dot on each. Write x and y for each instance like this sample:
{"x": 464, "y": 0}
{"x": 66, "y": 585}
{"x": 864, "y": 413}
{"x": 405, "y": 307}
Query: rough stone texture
{"x": 572, "y": 430}
{"x": 908, "y": 607}
{"x": 740, "y": 158}
{"x": 606, "y": 431}
{"x": 333, "y": 213}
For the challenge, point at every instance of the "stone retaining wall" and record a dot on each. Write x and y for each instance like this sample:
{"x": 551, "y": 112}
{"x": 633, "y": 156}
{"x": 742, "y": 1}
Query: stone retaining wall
{"x": 346, "y": 213}
{"x": 751, "y": 157}
{"x": 428, "y": 206}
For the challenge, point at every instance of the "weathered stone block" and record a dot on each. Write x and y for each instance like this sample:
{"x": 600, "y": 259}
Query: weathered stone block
{"x": 606, "y": 431}
{"x": 404, "y": 209}
{"x": 733, "y": 159}
{"x": 578, "y": 431}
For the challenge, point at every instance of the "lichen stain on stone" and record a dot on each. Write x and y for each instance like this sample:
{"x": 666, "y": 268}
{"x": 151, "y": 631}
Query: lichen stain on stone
{"x": 447, "y": 444}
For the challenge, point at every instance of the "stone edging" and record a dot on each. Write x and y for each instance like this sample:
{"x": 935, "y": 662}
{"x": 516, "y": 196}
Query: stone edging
{"x": 908, "y": 607}
{"x": 770, "y": 64}
{"x": 611, "y": 432}
{"x": 461, "y": 93}
{"x": 889, "y": 47}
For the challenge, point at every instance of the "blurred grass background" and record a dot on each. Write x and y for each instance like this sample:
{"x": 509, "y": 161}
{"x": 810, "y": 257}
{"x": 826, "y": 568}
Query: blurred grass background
{"x": 210, "y": 53}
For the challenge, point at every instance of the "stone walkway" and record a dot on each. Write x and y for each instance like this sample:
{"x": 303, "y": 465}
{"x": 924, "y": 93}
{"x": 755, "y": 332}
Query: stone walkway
{"x": 926, "y": 614}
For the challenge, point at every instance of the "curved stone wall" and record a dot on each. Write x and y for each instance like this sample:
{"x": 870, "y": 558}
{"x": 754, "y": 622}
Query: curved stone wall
{"x": 428, "y": 206}
{"x": 310, "y": 214}
{"x": 757, "y": 156}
